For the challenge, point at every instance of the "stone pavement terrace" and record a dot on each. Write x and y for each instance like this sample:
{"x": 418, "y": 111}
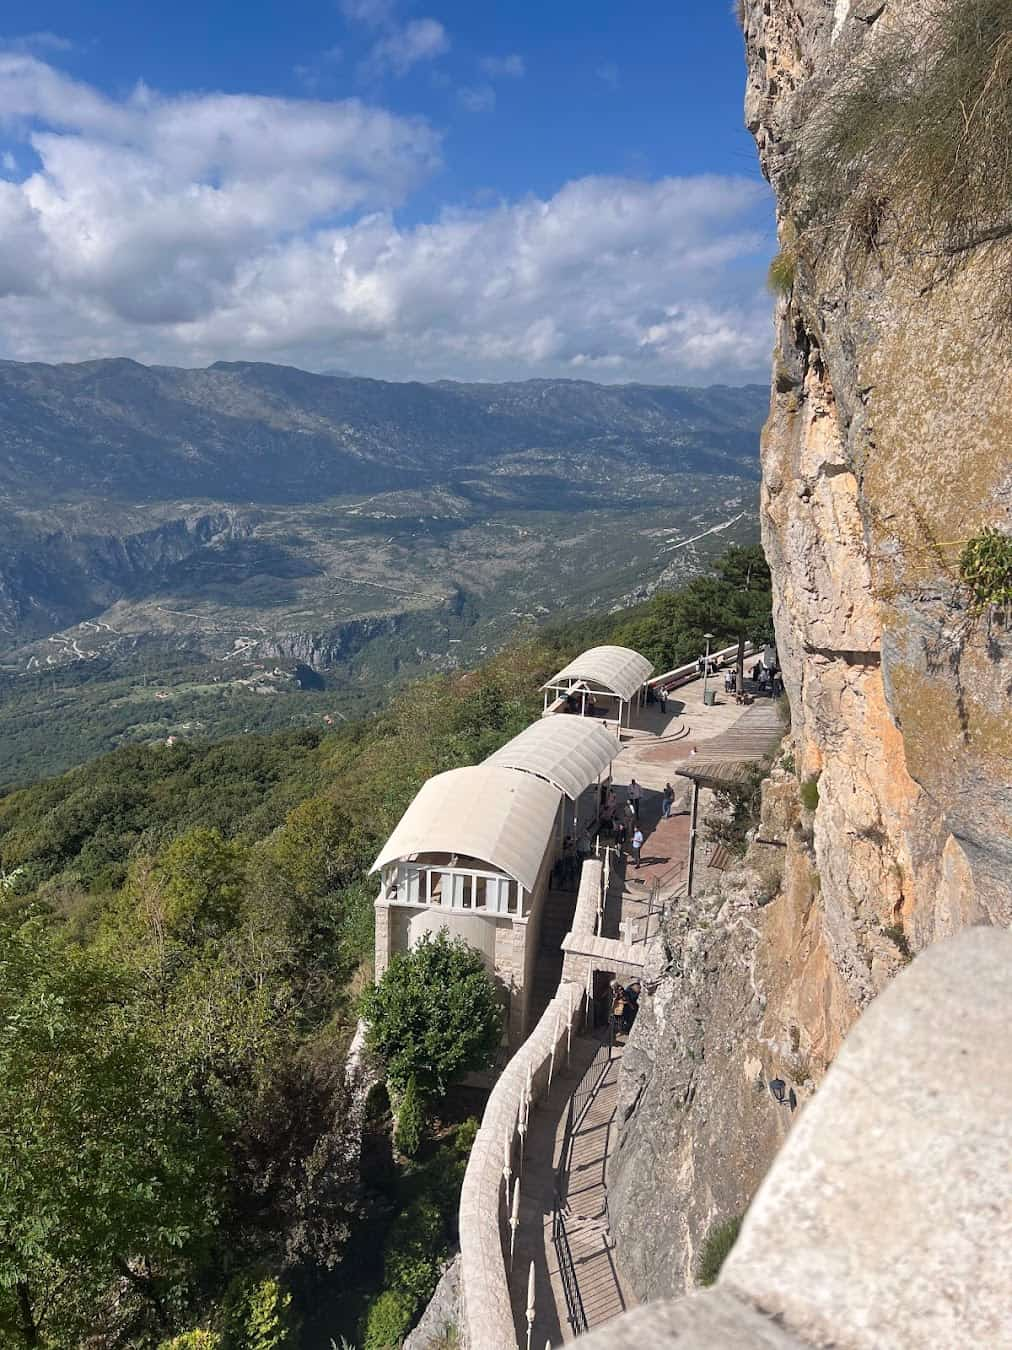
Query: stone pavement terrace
{"x": 654, "y": 747}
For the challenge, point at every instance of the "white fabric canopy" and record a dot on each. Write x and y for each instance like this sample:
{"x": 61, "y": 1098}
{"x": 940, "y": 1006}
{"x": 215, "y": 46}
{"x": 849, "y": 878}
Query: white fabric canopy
{"x": 571, "y": 752}
{"x": 617, "y": 670}
{"x": 487, "y": 812}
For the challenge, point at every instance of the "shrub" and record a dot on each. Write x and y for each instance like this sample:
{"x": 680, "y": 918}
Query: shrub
{"x": 782, "y": 272}
{"x": 434, "y": 1015}
{"x": 985, "y": 569}
{"x": 463, "y": 1140}
{"x": 257, "y": 1315}
{"x": 894, "y": 932}
{"x": 810, "y": 792}
{"x": 388, "y": 1321}
{"x": 414, "y": 1250}
{"x": 716, "y": 1246}
{"x": 198, "y": 1339}
{"x": 410, "y": 1121}
{"x": 739, "y": 807}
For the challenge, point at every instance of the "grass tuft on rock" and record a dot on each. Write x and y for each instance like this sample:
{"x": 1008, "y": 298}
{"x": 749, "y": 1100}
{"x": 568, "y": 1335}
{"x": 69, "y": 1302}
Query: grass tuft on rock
{"x": 913, "y": 141}
{"x": 716, "y": 1246}
{"x": 810, "y": 793}
{"x": 782, "y": 272}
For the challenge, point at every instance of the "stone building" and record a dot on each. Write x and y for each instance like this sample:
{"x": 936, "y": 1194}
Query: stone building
{"x": 475, "y": 851}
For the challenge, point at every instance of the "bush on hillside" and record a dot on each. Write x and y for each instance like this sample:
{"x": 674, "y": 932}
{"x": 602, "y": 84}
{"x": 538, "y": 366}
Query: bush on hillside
{"x": 388, "y": 1321}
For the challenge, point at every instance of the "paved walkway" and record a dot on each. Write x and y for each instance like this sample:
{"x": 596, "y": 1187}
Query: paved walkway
{"x": 579, "y": 1165}
{"x": 652, "y": 750}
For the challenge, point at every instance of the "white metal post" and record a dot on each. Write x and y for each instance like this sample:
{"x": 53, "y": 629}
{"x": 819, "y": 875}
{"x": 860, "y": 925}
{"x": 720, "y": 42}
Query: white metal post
{"x": 530, "y": 1306}
{"x": 514, "y": 1220}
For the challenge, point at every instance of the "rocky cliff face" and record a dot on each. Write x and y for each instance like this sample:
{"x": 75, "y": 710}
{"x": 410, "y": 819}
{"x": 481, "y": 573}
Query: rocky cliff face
{"x": 888, "y": 445}
{"x": 51, "y": 579}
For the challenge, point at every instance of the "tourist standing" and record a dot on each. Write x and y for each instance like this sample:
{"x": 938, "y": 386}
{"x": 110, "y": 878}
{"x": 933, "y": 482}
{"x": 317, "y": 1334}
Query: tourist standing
{"x": 667, "y": 799}
{"x": 662, "y": 699}
{"x": 637, "y": 844}
{"x": 635, "y": 793}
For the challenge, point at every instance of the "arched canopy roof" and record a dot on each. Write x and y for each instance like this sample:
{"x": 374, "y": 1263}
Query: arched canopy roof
{"x": 570, "y": 752}
{"x": 617, "y": 670}
{"x": 485, "y": 811}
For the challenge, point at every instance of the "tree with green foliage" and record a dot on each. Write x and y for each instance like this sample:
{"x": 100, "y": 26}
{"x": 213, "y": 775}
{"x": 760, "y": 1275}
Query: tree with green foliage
{"x": 201, "y": 876}
{"x": 105, "y": 1174}
{"x": 410, "y": 1121}
{"x": 747, "y": 588}
{"x": 434, "y": 1015}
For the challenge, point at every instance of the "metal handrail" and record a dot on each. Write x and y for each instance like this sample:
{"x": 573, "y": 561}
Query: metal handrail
{"x": 575, "y": 1313}
{"x": 655, "y": 900}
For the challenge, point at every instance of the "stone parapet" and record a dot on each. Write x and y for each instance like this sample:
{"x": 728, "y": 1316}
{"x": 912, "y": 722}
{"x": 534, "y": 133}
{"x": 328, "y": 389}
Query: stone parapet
{"x": 487, "y": 1316}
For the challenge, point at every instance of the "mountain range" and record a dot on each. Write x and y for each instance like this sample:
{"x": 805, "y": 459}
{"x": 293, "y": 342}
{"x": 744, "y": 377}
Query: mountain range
{"x": 203, "y": 527}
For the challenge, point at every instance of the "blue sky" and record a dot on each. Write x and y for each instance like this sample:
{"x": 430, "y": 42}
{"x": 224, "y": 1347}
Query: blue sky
{"x": 406, "y": 190}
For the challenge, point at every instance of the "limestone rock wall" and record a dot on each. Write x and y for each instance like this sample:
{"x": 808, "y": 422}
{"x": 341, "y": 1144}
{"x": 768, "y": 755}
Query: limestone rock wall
{"x": 889, "y": 439}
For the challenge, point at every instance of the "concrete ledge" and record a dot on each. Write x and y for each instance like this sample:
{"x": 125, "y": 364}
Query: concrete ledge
{"x": 886, "y": 1219}
{"x": 714, "y": 1320}
{"x": 608, "y": 950}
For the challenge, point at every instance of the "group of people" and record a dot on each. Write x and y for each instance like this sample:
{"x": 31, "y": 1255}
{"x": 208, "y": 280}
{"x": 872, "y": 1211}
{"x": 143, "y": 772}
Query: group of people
{"x": 624, "y": 1005}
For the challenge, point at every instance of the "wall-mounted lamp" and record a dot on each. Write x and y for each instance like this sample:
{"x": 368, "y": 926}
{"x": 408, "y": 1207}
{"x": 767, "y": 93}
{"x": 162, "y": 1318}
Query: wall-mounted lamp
{"x": 781, "y": 1095}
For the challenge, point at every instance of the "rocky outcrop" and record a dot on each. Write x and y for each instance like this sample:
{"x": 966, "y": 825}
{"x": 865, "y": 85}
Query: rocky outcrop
{"x": 52, "y": 579}
{"x": 887, "y": 446}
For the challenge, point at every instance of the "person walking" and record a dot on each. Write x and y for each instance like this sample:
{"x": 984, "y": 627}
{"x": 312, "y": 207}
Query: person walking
{"x": 631, "y": 999}
{"x": 635, "y": 793}
{"x": 637, "y": 844}
{"x": 667, "y": 798}
{"x": 662, "y": 699}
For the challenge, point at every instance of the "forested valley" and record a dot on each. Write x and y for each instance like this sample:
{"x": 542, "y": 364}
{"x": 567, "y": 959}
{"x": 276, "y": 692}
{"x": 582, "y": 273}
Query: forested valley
{"x": 185, "y": 939}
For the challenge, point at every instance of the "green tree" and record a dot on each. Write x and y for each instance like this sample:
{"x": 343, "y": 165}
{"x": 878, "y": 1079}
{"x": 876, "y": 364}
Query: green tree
{"x": 434, "y": 1015}
{"x": 747, "y": 599}
{"x": 104, "y": 1173}
{"x": 733, "y": 605}
{"x": 410, "y": 1121}
{"x": 201, "y": 875}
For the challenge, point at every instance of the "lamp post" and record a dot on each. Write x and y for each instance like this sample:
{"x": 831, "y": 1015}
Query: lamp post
{"x": 706, "y": 662}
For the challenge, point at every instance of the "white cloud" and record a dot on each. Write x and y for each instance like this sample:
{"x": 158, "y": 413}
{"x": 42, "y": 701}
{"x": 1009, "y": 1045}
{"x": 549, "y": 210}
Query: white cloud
{"x": 193, "y": 228}
{"x": 371, "y": 12}
{"x": 609, "y": 74}
{"x": 504, "y": 67}
{"x": 404, "y": 47}
{"x": 477, "y": 98}
{"x": 37, "y": 42}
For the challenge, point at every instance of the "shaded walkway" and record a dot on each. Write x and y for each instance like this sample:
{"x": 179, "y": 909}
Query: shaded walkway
{"x": 576, "y": 1165}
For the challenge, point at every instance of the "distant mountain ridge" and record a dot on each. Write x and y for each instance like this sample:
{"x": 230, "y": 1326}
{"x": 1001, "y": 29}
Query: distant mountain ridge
{"x": 249, "y": 432}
